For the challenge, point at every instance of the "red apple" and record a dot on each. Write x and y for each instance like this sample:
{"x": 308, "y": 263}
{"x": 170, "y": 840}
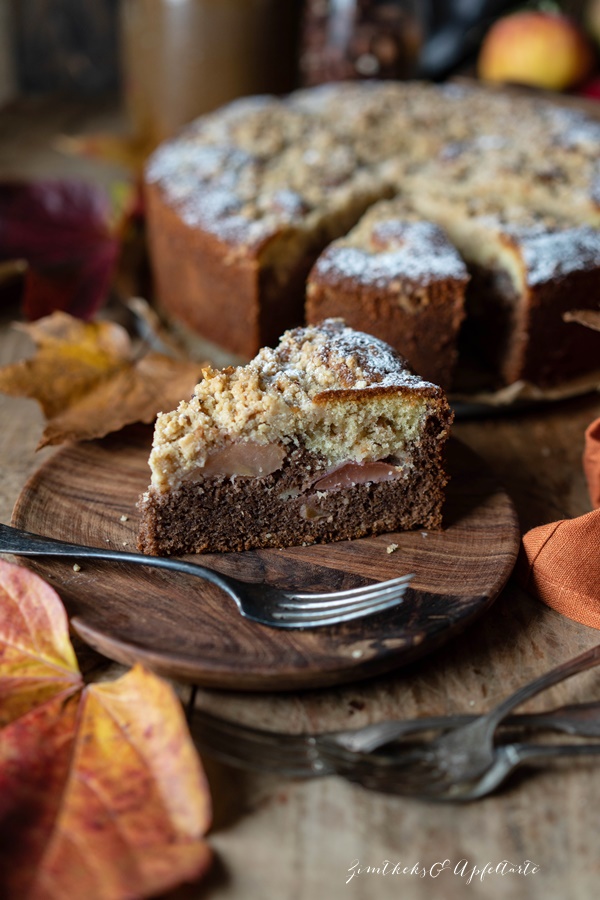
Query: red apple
{"x": 541, "y": 49}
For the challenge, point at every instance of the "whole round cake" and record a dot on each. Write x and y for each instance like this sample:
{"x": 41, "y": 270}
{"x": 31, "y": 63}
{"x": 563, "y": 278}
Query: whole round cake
{"x": 267, "y": 202}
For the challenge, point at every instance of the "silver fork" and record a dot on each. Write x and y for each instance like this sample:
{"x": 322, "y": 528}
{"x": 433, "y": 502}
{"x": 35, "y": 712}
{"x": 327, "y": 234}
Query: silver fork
{"x": 260, "y": 603}
{"x": 392, "y": 777}
{"x": 298, "y": 755}
{"x": 582, "y": 719}
{"x": 463, "y": 754}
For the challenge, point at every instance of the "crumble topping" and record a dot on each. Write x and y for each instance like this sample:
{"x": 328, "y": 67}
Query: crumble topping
{"x": 342, "y": 394}
{"x": 230, "y": 170}
{"x": 531, "y": 245}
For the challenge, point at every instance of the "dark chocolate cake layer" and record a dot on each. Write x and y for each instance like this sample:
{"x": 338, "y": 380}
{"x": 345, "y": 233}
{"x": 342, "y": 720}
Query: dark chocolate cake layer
{"x": 285, "y": 509}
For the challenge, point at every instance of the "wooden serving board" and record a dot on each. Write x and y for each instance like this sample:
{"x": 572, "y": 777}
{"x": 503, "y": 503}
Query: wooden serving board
{"x": 187, "y": 629}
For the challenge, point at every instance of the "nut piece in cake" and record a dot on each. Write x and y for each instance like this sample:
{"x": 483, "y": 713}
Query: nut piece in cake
{"x": 399, "y": 278}
{"x": 327, "y": 437}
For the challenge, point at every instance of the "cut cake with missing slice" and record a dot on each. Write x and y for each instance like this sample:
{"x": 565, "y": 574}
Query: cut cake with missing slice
{"x": 327, "y": 437}
{"x": 527, "y": 270}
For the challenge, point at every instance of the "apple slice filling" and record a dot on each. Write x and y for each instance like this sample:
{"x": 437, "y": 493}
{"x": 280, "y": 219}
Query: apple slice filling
{"x": 250, "y": 459}
{"x": 352, "y": 473}
{"x": 245, "y": 458}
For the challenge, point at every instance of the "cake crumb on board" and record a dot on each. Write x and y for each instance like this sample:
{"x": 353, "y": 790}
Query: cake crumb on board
{"x": 391, "y": 548}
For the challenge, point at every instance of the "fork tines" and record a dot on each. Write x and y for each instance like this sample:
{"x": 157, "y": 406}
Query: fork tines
{"x": 343, "y": 605}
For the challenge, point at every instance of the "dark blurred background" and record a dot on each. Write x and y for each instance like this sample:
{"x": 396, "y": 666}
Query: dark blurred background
{"x": 154, "y": 51}
{"x": 73, "y": 45}
{"x": 67, "y": 45}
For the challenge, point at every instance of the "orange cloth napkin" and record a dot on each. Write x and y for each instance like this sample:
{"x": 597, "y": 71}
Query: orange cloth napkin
{"x": 560, "y": 562}
{"x": 591, "y": 462}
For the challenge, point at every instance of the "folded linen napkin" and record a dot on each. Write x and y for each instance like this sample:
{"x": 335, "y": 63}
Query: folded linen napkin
{"x": 560, "y": 562}
{"x": 591, "y": 462}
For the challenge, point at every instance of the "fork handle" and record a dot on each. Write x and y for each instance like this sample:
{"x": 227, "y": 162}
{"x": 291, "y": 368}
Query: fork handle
{"x": 584, "y": 661}
{"x": 25, "y": 543}
{"x": 511, "y": 756}
{"x": 579, "y": 718}
{"x": 531, "y": 752}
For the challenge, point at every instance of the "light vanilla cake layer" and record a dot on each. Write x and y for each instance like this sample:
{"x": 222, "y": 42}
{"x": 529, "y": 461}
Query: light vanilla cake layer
{"x": 338, "y": 393}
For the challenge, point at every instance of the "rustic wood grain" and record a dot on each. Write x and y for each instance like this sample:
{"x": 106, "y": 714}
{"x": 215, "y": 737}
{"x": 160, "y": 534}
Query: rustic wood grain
{"x": 188, "y": 629}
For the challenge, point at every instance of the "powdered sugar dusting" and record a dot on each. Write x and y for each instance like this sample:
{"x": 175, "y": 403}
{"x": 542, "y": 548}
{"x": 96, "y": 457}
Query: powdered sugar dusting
{"x": 333, "y": 357}
{"x": 264, "y": 166}
{"x": 554, "y": 255}
{"x": 393, "y": 250}
{"x": 575, "y": 130}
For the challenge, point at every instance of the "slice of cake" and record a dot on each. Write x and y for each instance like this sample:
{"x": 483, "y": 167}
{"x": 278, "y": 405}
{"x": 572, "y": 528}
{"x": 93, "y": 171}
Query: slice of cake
{"x": 328, "y": 437}
{"x": 400, "y": 279}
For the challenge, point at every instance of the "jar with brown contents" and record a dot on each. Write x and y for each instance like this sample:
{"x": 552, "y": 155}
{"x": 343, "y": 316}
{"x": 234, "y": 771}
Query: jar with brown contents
{"x": 184, "y": 58}
{"x": 346, "y": 39}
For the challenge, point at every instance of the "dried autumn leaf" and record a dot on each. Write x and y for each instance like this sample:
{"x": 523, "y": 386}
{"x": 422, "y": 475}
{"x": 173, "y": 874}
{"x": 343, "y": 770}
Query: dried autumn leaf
{"x": 72, "y": 358}
{"x": 588, "y": 317}
{"x": 88, "y": 382}
{"x": 123, "y": 151}
{"x": 102, "y": 794}
{"x": 37, "y": 660}
{"x": 63, "y": 230}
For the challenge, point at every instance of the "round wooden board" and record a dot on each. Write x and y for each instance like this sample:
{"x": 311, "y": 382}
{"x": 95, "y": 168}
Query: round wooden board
{"x": 186, "y": 629}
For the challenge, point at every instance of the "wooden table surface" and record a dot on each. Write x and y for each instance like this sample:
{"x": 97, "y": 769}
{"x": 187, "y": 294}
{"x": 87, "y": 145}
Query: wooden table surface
{"x": 290, "y": 839}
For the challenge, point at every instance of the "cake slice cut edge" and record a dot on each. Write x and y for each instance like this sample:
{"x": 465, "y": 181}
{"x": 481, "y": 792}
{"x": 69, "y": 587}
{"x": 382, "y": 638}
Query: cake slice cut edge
{"x": 327, "y": 437}
{"x": 527, "y": 268}
{"x": 397, "y": 276}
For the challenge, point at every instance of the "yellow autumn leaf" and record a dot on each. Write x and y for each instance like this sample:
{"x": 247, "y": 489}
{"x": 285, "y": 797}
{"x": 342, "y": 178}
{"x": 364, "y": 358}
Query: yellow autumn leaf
{"x": 88, "y": 381}
{"x": 37, "y": 660}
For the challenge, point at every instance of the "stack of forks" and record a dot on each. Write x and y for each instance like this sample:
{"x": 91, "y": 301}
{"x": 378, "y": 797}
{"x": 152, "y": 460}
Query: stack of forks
{"x": 445, "y": 758}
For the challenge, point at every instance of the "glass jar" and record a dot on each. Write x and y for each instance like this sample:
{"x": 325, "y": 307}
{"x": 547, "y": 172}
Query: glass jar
{"x": 345, "y": 39}
{"x": 182, "y": 58}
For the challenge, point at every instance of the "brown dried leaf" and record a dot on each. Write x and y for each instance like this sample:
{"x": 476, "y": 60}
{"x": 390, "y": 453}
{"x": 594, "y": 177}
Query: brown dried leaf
{"x": 125, "y": 152}
{"x": 135, "y": 393}
{"x": 590, "y": 318}
{"x": 88, "y": 382}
